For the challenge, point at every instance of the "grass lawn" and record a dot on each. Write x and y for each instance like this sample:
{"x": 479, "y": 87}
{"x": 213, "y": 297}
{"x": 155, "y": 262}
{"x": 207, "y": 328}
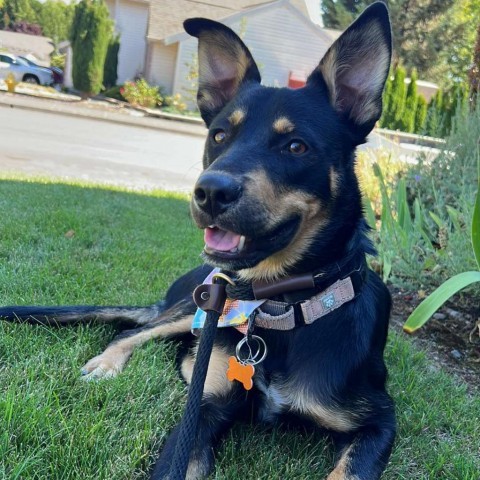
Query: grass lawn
{"x": 125, "y": 248}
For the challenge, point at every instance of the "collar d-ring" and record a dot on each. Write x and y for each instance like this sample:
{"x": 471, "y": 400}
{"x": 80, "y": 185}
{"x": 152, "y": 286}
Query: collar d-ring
{"x": 223, "y": 276}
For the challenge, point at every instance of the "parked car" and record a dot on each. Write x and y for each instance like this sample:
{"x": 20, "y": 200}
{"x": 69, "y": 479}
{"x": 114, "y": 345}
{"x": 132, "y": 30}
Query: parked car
{"x": 57, "y": 72}
{"x": 22, "y": 71}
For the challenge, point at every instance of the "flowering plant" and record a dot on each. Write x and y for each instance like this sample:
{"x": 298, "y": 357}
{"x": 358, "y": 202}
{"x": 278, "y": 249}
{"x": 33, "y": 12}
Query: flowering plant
{"x": 141, "y": 94}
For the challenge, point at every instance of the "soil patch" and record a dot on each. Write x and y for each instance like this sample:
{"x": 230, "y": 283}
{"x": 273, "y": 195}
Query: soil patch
{"x": 451, "y": 338}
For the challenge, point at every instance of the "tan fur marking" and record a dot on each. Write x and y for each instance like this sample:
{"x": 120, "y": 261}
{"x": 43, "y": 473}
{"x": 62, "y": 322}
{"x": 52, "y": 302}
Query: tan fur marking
{"x": 334, "y": 182}
{"x": 330, "y": 417}
{"x": 237, "y": 117}
{"x": 281, "y": 204}
{"x": 116, "y": 355}
{"x": 216, "y": 382}
{"x": 340, "y": 471}
{"x": 283, "y": 125}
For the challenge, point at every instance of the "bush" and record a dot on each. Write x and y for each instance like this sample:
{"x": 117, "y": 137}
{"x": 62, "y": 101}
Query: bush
{"x": 141, "y": 94}
{"x": 58, "y": 61}
{"x": 114, "y": 92}
{"x": 111, "y": 63}
{"x": 426, "y": 210}
{"x": 90, "y": 35}
{"x": 174, "y": 104}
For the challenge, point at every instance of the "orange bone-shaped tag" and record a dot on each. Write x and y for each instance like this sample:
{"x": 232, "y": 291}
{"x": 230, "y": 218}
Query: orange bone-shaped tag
{"x": 240, "y": 372}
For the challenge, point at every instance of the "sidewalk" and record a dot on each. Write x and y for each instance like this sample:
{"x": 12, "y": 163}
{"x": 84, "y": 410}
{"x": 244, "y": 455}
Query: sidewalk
{"x": 104, "y": 111}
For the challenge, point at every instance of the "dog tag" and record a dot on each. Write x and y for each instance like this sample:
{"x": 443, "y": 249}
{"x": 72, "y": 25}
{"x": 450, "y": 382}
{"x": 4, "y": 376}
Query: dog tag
{"x": 241, "y": 372}
{"x": 242, "y": 366}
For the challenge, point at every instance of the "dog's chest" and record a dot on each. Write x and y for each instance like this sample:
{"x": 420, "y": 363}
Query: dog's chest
{"x": 272, "y": 401}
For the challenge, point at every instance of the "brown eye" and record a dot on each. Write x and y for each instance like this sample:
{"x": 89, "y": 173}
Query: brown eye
{"x": 296, "y": 147}
{"x": 220, "y": 136}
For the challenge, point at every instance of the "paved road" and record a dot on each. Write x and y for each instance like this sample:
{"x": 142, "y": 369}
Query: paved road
{"x": 44, "y": 143}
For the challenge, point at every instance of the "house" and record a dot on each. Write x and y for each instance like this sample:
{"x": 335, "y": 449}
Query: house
{"x": 285, "y": 37}
{"x": 25, "y": 45}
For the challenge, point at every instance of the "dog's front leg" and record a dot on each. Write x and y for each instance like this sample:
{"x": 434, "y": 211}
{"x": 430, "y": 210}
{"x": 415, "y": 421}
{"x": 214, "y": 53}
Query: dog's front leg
{"x": 363, "y": 455}
{"x": 175, "y": 321}
{"x": 223, "y": 402}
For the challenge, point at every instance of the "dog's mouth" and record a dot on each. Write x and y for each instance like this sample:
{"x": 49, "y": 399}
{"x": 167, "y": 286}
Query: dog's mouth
{"x": 218, "y": 240}
{"x": 243, "y": 251}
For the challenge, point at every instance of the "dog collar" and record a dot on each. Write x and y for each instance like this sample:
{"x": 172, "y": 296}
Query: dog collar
{"x": 281, "y": 315}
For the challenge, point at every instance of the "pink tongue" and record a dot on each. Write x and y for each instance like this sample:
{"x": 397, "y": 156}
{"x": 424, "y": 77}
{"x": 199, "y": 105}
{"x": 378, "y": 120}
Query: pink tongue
{"x": 221, "y": 240}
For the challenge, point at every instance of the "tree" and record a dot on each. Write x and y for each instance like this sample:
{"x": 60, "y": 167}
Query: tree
{"x": 474, "y": 72}
{"x": 397, "y": 105}
{"x": 90, "y": 36}
{"x": 55, "y": 18}
{"x": 419, "y": 29}
{"x": 13, "y": 11}
{"x": 420, "y": 115}
{"x": 406, "y": 122}
{"x": 111, "y": 63}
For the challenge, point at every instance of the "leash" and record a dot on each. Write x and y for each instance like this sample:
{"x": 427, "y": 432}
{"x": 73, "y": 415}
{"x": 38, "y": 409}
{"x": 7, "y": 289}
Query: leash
{"x": 211, "y": 298}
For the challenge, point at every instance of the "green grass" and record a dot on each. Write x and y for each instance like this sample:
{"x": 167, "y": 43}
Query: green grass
{"x": 126, "y": 249}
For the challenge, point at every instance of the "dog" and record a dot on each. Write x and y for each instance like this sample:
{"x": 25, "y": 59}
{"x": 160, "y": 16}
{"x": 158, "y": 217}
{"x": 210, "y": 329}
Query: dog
{"x": 279, "y": 202}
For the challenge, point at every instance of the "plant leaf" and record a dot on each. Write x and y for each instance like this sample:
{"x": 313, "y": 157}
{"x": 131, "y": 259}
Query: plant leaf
{"x": 437, "y": 298}
{"x": 476, "y": 221}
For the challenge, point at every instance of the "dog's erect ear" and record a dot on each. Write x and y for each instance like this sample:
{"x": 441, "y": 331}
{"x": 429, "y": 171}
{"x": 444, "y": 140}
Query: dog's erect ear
{"x": 224, "y": 65}
{"x": 356, "y": 66}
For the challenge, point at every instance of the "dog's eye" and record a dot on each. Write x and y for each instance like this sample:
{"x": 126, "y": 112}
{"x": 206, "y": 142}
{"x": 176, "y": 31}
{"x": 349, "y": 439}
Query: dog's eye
{"x": 219, "y": 136}
{"x": 296, "y": 147}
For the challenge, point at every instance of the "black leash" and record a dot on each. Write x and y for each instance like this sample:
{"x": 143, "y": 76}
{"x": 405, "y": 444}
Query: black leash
{"x": 210, "y": 298}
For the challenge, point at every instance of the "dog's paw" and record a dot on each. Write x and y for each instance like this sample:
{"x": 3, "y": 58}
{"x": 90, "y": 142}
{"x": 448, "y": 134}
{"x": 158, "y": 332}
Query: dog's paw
{"x": 101, "y": 367}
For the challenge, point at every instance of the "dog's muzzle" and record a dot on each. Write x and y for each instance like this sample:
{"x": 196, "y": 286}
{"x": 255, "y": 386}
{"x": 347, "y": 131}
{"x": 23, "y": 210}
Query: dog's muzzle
{"x": 216, "y": 192}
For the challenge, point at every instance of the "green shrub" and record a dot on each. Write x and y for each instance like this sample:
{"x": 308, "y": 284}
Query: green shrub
{"x": 406, "y": 121}
{"x": 111, "y": 62}
{"x": 174, "y": 104}
{"x": 58, "y": 61}
{"x": 141, "y": 94}
{"x": 90, "y": 35}
{"x": 423, "y": 222}
{"x": 114, "y": 92}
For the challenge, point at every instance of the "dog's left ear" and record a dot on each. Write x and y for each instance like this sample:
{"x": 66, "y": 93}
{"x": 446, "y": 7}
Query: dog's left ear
{"x": 355, "y": 69}
{"x": 224, "y": 65}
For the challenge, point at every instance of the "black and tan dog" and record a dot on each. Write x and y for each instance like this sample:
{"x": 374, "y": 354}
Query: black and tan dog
{"x": 278, "y": 198}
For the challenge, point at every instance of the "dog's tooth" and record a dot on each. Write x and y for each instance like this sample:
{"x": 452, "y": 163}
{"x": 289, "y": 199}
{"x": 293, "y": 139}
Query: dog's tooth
{"x": 234, "y": 250}
{"x": 241, "y": 243}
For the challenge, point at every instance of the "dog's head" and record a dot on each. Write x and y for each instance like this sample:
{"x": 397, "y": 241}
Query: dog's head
{"x": 278, "y": 193}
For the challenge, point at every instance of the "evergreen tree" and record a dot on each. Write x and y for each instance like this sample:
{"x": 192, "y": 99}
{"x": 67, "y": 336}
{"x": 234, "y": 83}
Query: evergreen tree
{"x": 90, "y": 36}
{"x": 406, "y": 122}
{"x": 386, "y": 101}
{"x": 433, "y": 123}
{"x": 397, "y": 104}
{"x": 111, "y": 63}
{"x": 420, "y": 115}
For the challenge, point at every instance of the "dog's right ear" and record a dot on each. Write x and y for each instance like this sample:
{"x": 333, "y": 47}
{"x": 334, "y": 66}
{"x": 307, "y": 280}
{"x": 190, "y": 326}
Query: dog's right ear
{"x": 224, "y": 65}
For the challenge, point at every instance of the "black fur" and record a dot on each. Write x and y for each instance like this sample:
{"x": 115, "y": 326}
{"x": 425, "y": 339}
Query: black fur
{"x": 279, "y": 171}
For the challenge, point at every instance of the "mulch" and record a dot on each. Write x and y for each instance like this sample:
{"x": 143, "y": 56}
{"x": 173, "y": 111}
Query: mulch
{"x": 451, "y": 337}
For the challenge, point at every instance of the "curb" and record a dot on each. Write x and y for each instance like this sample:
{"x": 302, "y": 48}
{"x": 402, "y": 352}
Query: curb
{"x": 162, "y": 121}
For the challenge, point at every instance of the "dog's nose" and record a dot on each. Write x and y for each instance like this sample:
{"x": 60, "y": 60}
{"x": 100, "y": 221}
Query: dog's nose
{"x": 215, "y": 192}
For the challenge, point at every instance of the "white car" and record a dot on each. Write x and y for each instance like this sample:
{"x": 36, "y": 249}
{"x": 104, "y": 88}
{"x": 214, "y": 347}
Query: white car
{"x": 22, "y": 71}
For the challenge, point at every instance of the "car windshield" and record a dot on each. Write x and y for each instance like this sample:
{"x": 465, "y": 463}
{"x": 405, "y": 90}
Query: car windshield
{"x": 22, "y": 61}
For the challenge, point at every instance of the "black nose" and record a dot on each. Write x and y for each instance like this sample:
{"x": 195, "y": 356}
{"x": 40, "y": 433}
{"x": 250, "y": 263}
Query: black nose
{"x": 216, "y": 192}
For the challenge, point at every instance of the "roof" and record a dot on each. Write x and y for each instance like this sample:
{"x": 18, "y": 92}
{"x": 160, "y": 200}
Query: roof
{"x": 23, "y": 44}
{"x": 167, "y": 16}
